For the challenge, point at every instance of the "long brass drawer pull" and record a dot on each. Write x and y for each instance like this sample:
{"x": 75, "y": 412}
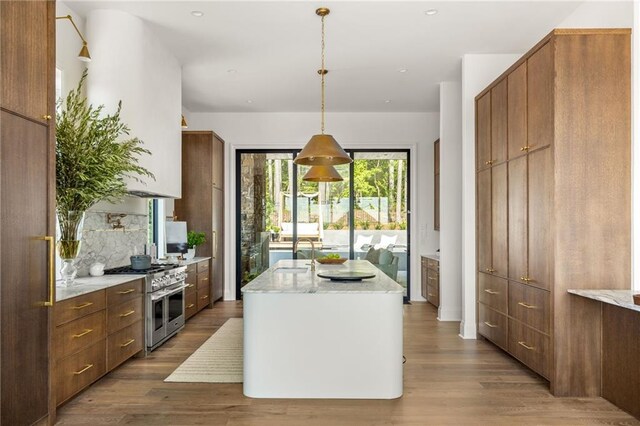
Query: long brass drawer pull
{"x": 84, "y": 333}
{"x": 524, "y": 345}
{"x": 191, "y": 285}
{"x": 205, "y": 296}
{"x": 86, "y": 367}
{"x": 488, "y": 290}
{"x": 430, "y": 295}
{"x": 490, "y": 325}
{"x": 191, "y": 305}
{"x": 125, "y": 344}
{"x": 205, "y": 279}
{"x": 131, "y": 290}
{"x": 126, "y": 314}
{"x": 84, "y": 305}
{"x": 526, "y": 305}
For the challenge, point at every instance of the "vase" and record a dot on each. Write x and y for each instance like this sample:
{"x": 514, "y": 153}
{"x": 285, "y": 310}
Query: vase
{"x": 70, "y": 223}
{"x": 190, "y": 254}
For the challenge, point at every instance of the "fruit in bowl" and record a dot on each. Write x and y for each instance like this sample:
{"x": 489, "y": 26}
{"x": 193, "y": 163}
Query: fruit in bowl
{"x": 332, "y": 259}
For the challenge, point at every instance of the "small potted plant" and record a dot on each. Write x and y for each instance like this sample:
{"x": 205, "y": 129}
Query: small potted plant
{"x": 275, "y": 233}
{"x": 194, "y": 239}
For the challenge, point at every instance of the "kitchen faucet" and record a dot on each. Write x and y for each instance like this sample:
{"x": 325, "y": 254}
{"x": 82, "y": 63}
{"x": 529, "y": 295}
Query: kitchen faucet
{"x": 313, "y": 252}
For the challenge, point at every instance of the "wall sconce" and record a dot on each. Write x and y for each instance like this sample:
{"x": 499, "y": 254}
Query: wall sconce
{"x": 84, "y": 51}
{"x": 183, "y": 123}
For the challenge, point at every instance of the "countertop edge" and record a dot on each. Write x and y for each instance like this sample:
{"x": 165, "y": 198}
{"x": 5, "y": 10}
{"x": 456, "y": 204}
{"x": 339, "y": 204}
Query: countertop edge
{"x": 65, "y": 293}
{"x": 620, "y": 298}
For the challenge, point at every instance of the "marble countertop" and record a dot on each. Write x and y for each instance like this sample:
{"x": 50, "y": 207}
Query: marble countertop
{"x": 195, "y": 260}
{"x": 271, "y": 281}
{"x": 622, "y": 298}
{"x": 433, "y": 256}
{"x": 86, "y": 285}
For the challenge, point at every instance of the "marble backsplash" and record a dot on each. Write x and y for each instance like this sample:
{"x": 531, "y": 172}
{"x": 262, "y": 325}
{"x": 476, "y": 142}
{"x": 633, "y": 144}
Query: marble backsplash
{"x": 101, "y": 243}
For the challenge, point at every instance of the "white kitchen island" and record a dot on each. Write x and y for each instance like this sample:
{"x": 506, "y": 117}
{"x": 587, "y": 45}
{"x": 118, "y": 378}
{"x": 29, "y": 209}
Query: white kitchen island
{"x": 309, "y": 337}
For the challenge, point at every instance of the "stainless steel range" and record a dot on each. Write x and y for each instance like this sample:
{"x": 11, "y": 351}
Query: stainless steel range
{"x": 165, "y": 293}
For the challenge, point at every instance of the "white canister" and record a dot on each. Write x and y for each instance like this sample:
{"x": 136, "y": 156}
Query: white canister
{"x": 96, "y": 270}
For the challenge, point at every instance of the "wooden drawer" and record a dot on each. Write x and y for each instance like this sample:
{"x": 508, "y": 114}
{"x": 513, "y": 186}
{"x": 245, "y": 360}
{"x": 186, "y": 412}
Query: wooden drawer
{"x": 424, "y": 262}
{"x": 191, "y": 269}
{"x": 530, "y": 305}
{"x": 192, "y": 278}
{"x": 433, "y": 264}
{"x": 203, "y": 281}
{"x": 202, "y": 266}
{"x": 124, "y": 314}
{"x": 77, "y": 335}
{"x": 125, "y": 292}
{"x": 433, "y": 295}
{"x": 191, "y": 286}
{"x": 76, "y": 307}
{"x": 204, "y": 296}
{"x": 190, "y": 304}
{"x": 123, "y": 344}
{"x": 529, "y": 346}
{"x": 492, "y": 325}
{"x": 492, "y": 291}
{"x": 78, "y": 371}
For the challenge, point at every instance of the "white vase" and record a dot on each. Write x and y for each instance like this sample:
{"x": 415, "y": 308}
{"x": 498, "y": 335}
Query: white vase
{"x": 190, "y": 254}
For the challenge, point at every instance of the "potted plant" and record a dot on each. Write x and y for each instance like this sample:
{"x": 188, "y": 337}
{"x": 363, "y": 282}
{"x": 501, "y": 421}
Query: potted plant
{"x": 275, "y": 236}
{"x": 92, "y": 160}
{"x": 194, "y": 239}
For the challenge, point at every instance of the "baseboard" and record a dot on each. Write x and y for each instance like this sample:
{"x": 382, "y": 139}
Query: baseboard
{"x": 449, "y": 314}
{"x": 468, "y": 330}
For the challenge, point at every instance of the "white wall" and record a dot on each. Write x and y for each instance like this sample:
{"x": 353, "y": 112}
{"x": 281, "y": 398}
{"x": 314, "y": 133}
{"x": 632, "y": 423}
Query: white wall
{"x": 450, "y": 202}
{"x": 594, "y": 14}
{"x": 414, "y": 131}
{"x": 477, "y": 72}
{"x": 68, "y": 45}
{"x": 129, "y": 63}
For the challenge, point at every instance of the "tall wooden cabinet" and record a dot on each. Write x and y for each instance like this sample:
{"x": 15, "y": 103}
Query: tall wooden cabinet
{"x": 202, "y": 202}
{"x": 553, "y": 201}
{"x": 27, "y": 202}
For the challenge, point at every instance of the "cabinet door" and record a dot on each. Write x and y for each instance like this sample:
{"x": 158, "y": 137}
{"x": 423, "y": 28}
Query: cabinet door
{"x": 27, "y": 50}
{"x": 217, "y": 258}
{"x": 517, "y": 107}
{"x": 540, "y": 97}
{"x": 218, "y": 163}
{"x": 518, "y": 218}
{"x": 25, "y": 197}
{"x": 539, "y": 215}
{"x": 483, "y": 131}
{"x": 499, "y": 231}
{"x": 484, "y": 220}
{"x": 499, "y": 122}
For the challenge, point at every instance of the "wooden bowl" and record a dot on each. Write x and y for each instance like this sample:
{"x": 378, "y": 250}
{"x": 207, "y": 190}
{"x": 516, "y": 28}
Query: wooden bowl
{"x": 636, "y": 299}
{"x": 326, "y": 261}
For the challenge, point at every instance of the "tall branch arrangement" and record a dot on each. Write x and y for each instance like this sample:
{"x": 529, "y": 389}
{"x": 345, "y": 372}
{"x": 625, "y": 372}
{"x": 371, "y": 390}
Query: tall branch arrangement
{"x": 91, "y": 159}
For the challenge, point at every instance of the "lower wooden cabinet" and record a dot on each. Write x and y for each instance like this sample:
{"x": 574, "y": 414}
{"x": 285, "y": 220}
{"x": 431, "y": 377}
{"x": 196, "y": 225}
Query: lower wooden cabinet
{"x": 198, "y": 293}
{"x": 529, "y": 346}
{"x": 124, "y": 344}
{"x": 79, "y": 370}
{"x": 431, "y": 280}
{"x": 492, "y": 325}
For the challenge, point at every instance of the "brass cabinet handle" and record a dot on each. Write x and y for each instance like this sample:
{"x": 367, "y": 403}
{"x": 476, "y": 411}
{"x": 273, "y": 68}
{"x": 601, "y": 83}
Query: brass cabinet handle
{"x": 488, "y": 163}
{"x": 526, "y": 279}
{"x": 430, "y": 295}
{"x": 131, "y": 290}
{"x": 52, "y": 269}
{"x": 205, "y": 296}
{"x": 488, "y": 290}
{"x": 46, "y": 117}
{"x": 525, "y": 148}
{"x": 127, "y": 343}
{"x": 490, "y": 325}
{"x": 191, "y": 285}
{"x": 526, "y": 305}
{"x": 215, "y": 245}
{"x": 490, "y": 270}
{"x": 86, "y": 367}
{"x": 524, "y": 345}
{"x": 191, "y": 305}
{"x": 84, "y": 305}
{"x": 84, "y": 333}
{"x": 126, "y": 314}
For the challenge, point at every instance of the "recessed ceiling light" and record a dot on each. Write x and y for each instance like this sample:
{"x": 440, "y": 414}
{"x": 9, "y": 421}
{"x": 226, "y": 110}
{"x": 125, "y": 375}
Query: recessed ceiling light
{"x": 232, "y": 71}
{"x": 197, "y": 13}
{"x": 387, "y": 101}
{"x": 403, "y": 70}
{"x": 249, "y": 101}
{"x": 431, "y": 12}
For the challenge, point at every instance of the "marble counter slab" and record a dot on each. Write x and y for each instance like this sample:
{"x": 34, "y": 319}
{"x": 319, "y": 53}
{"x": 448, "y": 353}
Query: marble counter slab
{"x": 621, "y": 298}
{"x": 432, "y": 256}
{"x": 272, "y": 281}
{"x": 195, "y": 260}
{"x": 86, "y": 285}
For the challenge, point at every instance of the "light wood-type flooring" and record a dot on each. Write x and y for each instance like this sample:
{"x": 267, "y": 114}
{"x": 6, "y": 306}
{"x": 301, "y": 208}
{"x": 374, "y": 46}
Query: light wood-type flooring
{"x": 447, "y": 380}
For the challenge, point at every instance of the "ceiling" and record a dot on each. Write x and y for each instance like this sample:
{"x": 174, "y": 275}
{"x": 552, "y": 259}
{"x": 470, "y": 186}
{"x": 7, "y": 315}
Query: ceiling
{"x": 263, "y": 56}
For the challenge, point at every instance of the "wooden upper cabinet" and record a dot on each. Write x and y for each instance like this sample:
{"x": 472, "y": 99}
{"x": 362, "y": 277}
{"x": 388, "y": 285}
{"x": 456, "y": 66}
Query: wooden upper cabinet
{"x": 218, "y": 162}
{"x": 499, "y": 231}
{"x": 540, "y": 98}
{"x": 517, "y": 111}
{"x": 539, "y": 218}
{"x": 483, "y": 131}
{"x": 27, "y": 51}
{"x": 517, "y": 218}
{"x": 484, "y": 220}
{"x": 499, "y": 122}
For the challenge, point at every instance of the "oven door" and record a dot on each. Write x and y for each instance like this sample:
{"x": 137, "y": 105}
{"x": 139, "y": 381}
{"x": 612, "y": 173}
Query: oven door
{"x": 156, "y": 319}
{"x": 175, "y": 310}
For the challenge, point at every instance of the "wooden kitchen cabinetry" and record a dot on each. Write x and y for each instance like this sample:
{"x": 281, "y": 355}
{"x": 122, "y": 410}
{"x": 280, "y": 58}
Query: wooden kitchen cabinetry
{"x": 198, "y": 292}
{"x": 431, "y": 280}
{"x": 27, "y": 198}
{"x": 94, "y": 333}
{"x": 202, "y": 206}
{"x": 553, "y": 194}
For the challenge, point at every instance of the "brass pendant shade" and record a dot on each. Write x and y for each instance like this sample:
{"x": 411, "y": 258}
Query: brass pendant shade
{"x": 84, "y": 53}
{"x": 322, "y": 174}
{"x": 183, "y": 123}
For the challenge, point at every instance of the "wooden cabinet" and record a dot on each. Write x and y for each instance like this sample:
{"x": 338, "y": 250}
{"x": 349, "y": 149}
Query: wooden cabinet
{"x": 436, "y": 185}
{"x": 560, "y": 199}
{"x": 202, "y": 202}
{"x": 94, "y": 333}
{"x": 27, "y": 197}
{"x": 423, "y": 275}
{"x": 431, "y": 290}
{"x": 198, "y": 292}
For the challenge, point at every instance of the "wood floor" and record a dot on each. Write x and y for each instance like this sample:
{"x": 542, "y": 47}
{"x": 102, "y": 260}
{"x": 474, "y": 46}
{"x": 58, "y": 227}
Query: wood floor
{"x": 447, "y": 380}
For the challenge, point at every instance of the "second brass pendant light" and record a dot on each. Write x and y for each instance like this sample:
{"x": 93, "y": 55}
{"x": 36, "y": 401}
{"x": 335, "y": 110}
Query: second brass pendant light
{"x": 322, "y": 150}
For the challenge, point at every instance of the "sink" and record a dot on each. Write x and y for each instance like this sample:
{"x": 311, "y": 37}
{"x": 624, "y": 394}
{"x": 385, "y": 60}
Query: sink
{"x": 291, "y": 270}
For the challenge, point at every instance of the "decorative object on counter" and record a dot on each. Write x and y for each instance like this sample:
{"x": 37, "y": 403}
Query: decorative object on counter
{"x": 91, "y": 164}
{"x": 332, "y": 259}
{"x": 140, "y": 262}
{"x": 322, "y": 150}
{"x": 346, "y": 275}
{"x": 97, "y": 269}
{"x": 636, "y": 299}
{"x": 194, "y": 239}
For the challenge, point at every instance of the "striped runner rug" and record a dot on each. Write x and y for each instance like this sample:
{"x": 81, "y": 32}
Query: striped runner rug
{"x": 218, "y": 360}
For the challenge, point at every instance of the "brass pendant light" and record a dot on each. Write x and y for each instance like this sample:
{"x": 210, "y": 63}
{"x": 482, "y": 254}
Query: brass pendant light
{"x": 84, "y": 55}
{"x": 322, "y": 150}
{"x": 322, "y": 174}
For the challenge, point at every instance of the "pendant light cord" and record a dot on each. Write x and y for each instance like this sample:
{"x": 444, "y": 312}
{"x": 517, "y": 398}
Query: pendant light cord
{"x": 322, "y": 73}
